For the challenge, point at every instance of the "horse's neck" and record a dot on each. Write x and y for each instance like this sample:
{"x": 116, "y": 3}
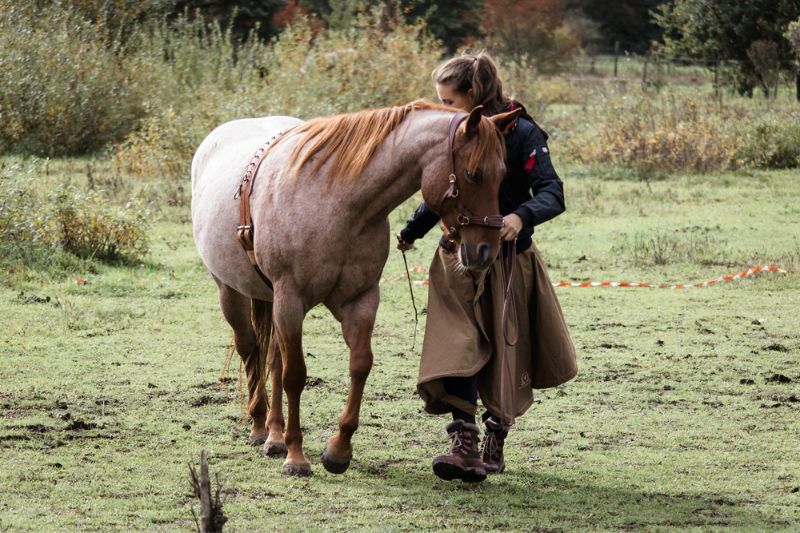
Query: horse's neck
{"x": 395, "y": 171}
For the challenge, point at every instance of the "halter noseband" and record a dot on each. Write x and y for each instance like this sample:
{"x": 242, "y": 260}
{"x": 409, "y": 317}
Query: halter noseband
{"x": 465, "y": 217}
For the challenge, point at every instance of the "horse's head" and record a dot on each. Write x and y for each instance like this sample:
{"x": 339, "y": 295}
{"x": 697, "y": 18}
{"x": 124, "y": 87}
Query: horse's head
{"x": 463, "y": 187}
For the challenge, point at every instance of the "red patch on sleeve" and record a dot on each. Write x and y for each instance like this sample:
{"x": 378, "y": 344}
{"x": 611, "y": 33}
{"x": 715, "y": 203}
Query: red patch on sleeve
{"x": 531, "y": 162}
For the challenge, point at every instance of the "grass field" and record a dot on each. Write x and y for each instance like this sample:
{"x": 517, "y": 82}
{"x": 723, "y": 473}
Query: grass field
{"x": 680, "y": 418}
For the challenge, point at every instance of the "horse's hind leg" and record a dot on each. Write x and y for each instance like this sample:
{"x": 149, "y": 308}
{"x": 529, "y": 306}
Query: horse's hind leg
{"x": 358, "y": 319}
{"x": 289, "y": 312}
{"x": 275, "y": 446}
{"x": 251, "y": 324}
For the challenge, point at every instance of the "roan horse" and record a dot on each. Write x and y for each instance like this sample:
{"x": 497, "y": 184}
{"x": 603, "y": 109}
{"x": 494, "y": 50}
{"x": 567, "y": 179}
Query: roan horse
{"x": 319, "y": 206}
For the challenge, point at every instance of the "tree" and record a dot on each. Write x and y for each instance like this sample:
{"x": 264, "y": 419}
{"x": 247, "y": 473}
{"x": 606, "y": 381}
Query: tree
{"x": 723, "y": 30}
{"x": 453, "y": 23}
{"x": 243, "y": 16}
{"x": 793, "y": 36}
{"x": 625, "y": 21}
{"x": 532, "y": 30}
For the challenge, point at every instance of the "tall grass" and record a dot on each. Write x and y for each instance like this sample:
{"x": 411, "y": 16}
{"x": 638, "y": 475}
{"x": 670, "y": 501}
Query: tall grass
{"x": 682, "y": 131}
{"x": 54, "y": 228}
{"x": 67, "y": 86}
{"x": 302, "y": 74}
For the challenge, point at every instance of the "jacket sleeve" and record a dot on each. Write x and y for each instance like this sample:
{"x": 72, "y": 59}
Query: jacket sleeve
{"x": 548, "y": 191}
{"x": 421, "y": 221}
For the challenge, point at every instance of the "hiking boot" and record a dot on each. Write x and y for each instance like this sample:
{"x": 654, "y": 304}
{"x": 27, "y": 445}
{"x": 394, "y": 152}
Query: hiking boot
{"x": 492, "y": 445}
{"x": 463, "y": 461}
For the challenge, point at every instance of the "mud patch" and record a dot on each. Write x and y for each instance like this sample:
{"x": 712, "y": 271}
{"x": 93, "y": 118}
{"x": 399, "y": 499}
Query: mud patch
{"x": 208, "y": 400}
{"x": 776, "y": 347}
{"x": 778, "y": 378}
{"x": 314, "y": 382}
{"x": 80, "y": 425}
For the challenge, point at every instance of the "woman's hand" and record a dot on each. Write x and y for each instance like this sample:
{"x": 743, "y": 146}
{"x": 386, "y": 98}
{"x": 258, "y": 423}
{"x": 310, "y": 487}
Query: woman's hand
{"x": 402, "y": 245}
{"x": 512, "y": 225}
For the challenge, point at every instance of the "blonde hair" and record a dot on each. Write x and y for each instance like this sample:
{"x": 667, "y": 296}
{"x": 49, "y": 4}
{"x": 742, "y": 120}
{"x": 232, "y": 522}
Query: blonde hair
{"x": 477, "y": 72}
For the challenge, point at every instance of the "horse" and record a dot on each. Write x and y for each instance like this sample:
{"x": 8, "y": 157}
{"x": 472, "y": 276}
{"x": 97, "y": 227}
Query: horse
{"x": 320, "y": 202}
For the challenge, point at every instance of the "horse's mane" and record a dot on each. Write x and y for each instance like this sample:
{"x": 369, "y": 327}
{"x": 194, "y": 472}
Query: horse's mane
{"x": 351, "y": 139}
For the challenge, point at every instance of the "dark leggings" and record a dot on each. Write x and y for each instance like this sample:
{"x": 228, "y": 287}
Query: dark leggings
{"x": 467, "y": 390}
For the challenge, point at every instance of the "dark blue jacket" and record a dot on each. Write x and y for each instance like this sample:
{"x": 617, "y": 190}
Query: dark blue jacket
{"x": 526, "y": 145}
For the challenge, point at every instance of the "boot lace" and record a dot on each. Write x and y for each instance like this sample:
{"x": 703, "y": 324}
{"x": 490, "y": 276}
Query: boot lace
{"x": 489, "y": 446}
{"x": 456, "y": 443}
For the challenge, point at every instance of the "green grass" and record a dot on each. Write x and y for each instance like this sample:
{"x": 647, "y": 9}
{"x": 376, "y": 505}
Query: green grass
{"x": 111, "y": 387}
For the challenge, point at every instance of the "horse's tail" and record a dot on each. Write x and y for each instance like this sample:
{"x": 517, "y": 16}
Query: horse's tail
{"x": 261, "y": 317}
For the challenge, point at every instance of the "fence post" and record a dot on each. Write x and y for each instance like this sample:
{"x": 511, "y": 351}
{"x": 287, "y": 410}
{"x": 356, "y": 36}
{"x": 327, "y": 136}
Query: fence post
{"x": 644, "y": 72}
{"x": 716, "y": 79}
{"x": 616, "y": 57}
{"x": 797, "y": 83}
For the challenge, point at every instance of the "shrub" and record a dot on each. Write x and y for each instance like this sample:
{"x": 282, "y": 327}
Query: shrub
{"x": 301, "y": 74}
{"x": 683, "y": 132}
{"x": 65, "y": 85}
{"x": 37, "y": 230}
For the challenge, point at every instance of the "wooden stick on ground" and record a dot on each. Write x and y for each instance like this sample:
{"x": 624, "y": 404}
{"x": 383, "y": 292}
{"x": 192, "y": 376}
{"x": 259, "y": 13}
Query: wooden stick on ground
{"x": 212, "y": 518}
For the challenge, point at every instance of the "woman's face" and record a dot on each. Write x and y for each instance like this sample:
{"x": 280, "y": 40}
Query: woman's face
{"x": 448, "y": 95}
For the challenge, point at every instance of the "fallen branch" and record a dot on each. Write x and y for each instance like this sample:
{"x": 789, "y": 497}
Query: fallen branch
{"x": 212, "y": 518}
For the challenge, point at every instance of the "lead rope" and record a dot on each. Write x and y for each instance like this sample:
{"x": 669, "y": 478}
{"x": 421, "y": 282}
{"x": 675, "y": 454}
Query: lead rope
{"x": 413, "y": 302}
{"x": 509, "y": 260}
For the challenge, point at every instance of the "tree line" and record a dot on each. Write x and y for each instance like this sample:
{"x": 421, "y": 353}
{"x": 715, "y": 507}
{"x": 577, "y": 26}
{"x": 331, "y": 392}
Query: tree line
{"x": 753, "y": 39}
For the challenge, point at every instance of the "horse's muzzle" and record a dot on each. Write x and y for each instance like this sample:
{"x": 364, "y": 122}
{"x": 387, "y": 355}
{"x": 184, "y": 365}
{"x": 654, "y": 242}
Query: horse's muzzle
{"x": 478, "y": 258}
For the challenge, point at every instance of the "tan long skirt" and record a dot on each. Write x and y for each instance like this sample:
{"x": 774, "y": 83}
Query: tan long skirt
{"x": 464, "y": 336}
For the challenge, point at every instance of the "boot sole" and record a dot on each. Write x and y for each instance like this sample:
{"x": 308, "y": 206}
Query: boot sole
{"x": 449, "y": 472}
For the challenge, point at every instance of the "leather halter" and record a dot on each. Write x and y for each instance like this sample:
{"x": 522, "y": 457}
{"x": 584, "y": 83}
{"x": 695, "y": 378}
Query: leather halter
{"x": 245, "y": 231}
{"x": 465, "y": 217}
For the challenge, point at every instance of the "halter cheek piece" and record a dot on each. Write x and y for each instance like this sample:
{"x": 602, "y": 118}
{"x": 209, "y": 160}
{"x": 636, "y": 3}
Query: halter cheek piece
{"x": 464, "y": 217}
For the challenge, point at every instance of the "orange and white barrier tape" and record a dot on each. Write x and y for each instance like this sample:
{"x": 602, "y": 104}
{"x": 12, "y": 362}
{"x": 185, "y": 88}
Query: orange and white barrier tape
{"x": 731, "y": 277}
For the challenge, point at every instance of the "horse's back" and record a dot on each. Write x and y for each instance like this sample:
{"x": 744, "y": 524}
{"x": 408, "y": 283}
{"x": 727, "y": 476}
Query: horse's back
{"x": 231, "y": 145}
{"x": 217, "y": 169}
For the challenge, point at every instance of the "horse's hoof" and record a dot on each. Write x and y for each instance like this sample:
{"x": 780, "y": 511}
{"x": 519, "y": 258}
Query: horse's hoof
{"x": 274, "y": 449}
{"x": 297, "y": 470}
{"x": 257, "y": 440}
{"x": 334, "y": 465}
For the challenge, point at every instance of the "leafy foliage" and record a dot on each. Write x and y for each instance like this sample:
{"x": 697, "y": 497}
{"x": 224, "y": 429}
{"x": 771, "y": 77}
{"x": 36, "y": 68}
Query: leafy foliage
{"x": 531, "y": 31}
{"x": 242, "y": 16}
{"x": 301, "y": 74}
{"x": 725, "y": 29}
{"x": 38, "y": 229}
{"x": 676, "y": 132}
{"x": 625, "y": 21}
{"x": 454, "y": 23}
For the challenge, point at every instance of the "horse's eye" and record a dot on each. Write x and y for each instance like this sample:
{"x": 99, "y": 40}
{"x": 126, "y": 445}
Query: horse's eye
{"x": 474, "y": 176}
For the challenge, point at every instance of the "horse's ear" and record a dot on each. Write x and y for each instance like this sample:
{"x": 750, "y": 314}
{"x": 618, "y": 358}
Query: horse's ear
{"x": 474, "y": 119}
{"x": 506, "y": 121}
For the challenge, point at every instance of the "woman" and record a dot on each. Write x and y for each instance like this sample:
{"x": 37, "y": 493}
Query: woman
{"x": 468, "y": 349}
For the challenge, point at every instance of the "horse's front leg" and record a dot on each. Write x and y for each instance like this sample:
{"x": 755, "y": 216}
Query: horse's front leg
{"x": 358, "y": 318}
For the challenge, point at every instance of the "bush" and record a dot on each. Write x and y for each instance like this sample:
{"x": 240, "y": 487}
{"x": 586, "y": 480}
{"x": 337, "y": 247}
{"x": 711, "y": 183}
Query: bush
{"x": 66, "y": 87}
{"x": 682, "y": 132}
{"x": 38, "y": 229}
{"x": 209, "y": 81}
